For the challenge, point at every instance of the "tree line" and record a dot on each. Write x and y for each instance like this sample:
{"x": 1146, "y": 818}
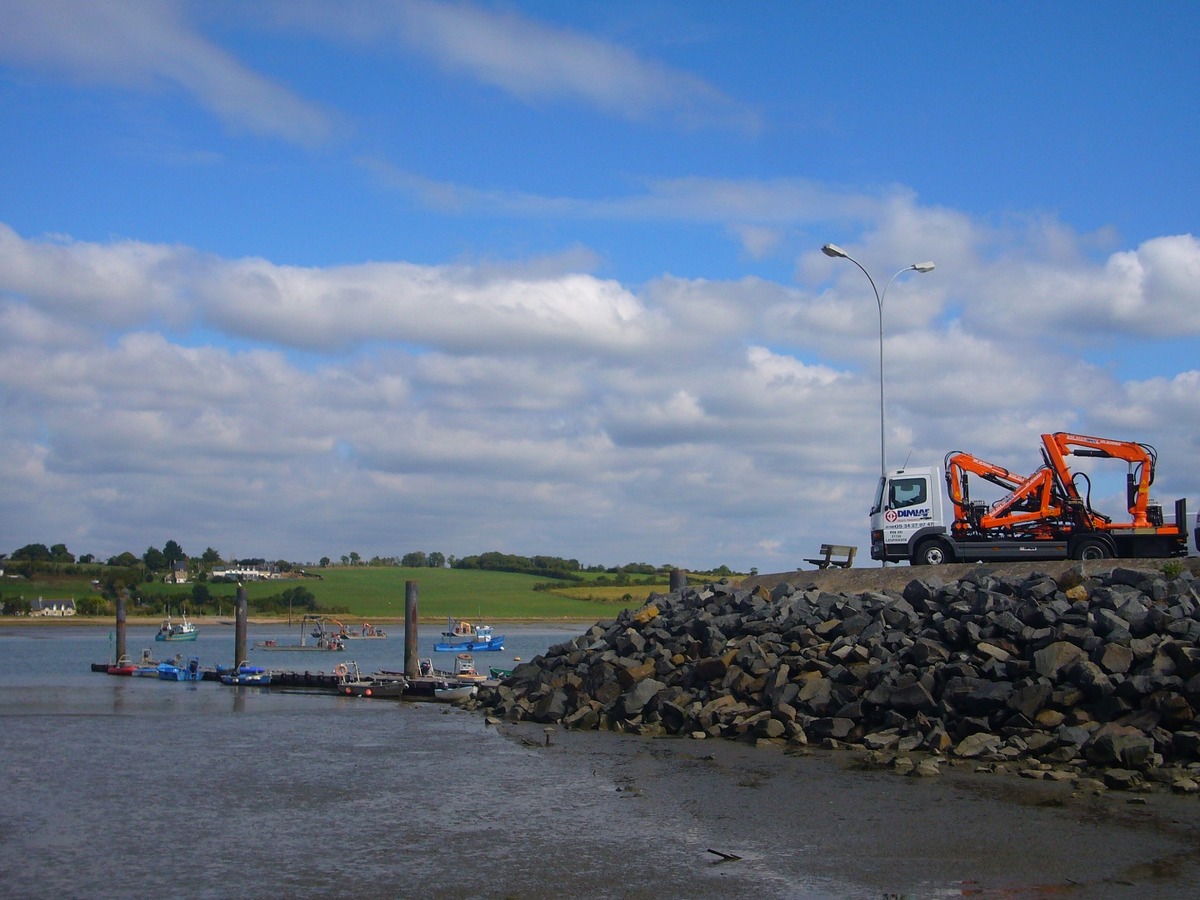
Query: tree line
{"x": 126, "y": 570}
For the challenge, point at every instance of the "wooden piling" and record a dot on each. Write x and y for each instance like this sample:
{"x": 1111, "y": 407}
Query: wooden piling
{"x": 678, "y": 580}
{"x": 411, "y": 661}
{"x": 239, "y": 631}
{"x": 120, "y": 648}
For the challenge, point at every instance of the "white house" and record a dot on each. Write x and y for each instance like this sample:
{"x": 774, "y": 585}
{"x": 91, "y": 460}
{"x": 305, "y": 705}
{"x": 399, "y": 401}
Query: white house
{"x": 40, "y": 607}
{"x": 178, "y": 573}
{"x": 247, "y": 573}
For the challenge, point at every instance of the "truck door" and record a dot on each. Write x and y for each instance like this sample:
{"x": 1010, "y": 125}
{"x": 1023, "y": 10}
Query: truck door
{"x": 907, "y": 508}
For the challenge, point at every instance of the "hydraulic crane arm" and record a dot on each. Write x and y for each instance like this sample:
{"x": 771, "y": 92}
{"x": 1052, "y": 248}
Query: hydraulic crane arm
{"x": 1140, "y": 457}
{"x": 1030, "y": 500}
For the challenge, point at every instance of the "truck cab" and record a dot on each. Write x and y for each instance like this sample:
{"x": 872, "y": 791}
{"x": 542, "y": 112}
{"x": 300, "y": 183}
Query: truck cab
{"x": 908, "y": 522}
{"x": 908, "y": 510}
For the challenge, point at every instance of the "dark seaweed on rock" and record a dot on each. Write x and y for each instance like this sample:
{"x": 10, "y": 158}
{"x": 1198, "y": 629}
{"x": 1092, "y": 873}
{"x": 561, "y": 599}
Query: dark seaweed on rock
{"x": 1071, "y": 673}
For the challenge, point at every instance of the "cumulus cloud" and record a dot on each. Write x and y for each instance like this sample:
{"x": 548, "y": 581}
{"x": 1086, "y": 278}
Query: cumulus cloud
{"x": 468, "y": 407}
{"x": 1146, "y": 291}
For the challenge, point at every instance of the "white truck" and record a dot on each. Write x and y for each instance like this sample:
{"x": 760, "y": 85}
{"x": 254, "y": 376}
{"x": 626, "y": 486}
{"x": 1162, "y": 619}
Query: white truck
{"x": 1047, "y": 515}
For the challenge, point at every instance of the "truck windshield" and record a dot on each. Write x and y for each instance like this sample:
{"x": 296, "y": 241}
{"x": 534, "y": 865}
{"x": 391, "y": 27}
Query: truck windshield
{"x": 879, "y": 498}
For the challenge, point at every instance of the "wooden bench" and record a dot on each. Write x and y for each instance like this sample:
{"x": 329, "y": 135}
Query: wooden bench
{"x": 844, "y": 553}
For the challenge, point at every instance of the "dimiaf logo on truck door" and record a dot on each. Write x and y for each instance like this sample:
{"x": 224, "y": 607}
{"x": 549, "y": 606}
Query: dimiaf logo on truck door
{"x": 896, "y": 516}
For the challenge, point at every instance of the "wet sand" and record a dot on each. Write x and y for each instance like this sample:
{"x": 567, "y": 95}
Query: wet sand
{"x": 805, "y": 820}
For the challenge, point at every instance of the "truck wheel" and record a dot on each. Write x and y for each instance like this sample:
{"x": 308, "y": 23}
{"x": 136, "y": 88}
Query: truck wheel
{"x": 1091, "y": 548}
{"x": 931, "y": 553}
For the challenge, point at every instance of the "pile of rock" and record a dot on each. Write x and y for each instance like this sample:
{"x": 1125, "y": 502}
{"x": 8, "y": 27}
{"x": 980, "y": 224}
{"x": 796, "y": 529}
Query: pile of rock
{"x": 1042, "y": 675}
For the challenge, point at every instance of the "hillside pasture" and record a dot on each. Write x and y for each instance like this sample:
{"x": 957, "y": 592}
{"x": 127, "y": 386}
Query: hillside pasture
{"x": 377, "y": 594}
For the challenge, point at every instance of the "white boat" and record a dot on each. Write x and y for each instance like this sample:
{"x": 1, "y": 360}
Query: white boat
{"x": 454, "y": 693}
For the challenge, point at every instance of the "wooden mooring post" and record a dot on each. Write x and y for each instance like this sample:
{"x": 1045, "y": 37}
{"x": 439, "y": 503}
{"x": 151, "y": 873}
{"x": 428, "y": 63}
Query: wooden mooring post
{"x": 678, "y": 580}
{"x": 411, "y": 662}
{"x": 239, "y": 630}
{"x": 120, "y": 648}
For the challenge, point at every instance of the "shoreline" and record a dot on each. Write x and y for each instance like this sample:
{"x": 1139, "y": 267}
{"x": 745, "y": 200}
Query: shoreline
{"x": 825, "y": 813}
{"x": 225, "y": 622}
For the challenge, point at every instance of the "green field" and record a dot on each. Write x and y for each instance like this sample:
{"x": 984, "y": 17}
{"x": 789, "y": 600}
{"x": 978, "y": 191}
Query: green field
{"x": 378, "y": 594}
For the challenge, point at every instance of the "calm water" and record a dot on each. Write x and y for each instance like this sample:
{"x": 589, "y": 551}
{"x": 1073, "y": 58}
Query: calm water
{"x": 130, "y": 786}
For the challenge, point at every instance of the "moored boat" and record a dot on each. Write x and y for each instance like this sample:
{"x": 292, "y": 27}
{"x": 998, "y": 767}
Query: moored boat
{"x": 353, "y": 683}
{"x": 180, "y": 671}
{"x": 147, "y": 667}
{"x": 464, "y": 670}
{"x": 454, "y": 693}
{"x": 463, "y": 635}
{"x": 123, "y": 666}
{"x": 325, "y": 637}
{"x": 367, "y": 632}
{"x": 177, "y": 631}
{"x": 245, "y": 674}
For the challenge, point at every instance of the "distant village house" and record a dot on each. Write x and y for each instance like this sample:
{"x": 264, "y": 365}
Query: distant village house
{"x": 246, "y": 573}
{"x": 40, "y": 607}
{"x": 178, "y": 573}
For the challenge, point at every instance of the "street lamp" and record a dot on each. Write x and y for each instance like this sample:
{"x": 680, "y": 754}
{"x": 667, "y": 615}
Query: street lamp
{"x": 836, "y": 251}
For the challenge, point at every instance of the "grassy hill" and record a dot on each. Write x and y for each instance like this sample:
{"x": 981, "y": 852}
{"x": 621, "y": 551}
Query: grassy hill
{"x": 377, "y": 593}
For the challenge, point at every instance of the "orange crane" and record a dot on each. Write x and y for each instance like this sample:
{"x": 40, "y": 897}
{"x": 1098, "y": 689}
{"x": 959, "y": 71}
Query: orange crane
{"x": 1046, "y": 515}
{"x": 1141, "y": 458}
{"x": 1031, "y": 506}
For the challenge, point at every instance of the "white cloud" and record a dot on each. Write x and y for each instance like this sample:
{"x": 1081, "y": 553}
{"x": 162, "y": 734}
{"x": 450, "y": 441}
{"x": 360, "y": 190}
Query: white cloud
{"x": 757, "y": 240}
{"x": 1148, "y": 291}
{"x": 758, "y": 207}
{"x": 146, "y": 45}
{"x": 527, "y": 408}
{"x": 530, "y": 60}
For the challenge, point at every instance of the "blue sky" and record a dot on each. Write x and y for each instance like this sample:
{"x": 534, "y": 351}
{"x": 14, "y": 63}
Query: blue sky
{"x": 295, "y": 279}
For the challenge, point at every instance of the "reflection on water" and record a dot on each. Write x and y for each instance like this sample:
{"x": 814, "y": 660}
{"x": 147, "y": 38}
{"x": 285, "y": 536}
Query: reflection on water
{"x": 123, "y": 786}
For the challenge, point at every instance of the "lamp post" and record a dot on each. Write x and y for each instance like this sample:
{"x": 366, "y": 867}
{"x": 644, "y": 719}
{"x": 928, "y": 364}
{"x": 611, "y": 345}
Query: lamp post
{"x": 836, "y": 251}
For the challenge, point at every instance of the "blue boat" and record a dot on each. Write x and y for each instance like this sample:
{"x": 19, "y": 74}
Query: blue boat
{"x": 245, "y": 674}
{"x": 464, "y": 637}
{"x": 173, "y": 671}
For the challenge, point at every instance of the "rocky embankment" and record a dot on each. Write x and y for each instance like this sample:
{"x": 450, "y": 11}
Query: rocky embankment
{"x": 1080, "y": 674}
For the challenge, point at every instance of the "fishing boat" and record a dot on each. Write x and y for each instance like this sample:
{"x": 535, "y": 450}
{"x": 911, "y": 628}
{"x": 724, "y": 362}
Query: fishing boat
{"x": 463, "y": 635}
{"x": 248, "y": 675}
{"x": 177, "y": 631}
{"x": 174, "y": 671}
{"x": 464, "y": 670}
{"x": 353, "y": 683}
{"x": 425, "y": 683}
{"x": 454, "y": 693}
{"x": 367, "y": 632}
{"x": 324, "y": 637}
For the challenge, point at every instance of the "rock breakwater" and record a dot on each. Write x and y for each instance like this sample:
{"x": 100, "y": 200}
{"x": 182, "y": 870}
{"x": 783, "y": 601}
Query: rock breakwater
{"x": 1091, "y": 676}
